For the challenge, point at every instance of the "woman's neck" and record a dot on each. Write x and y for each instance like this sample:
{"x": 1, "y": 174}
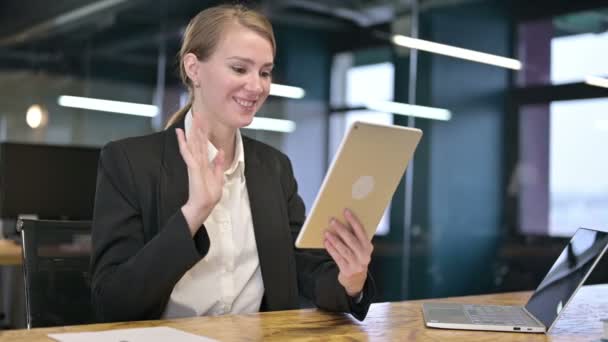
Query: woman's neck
{"x": 221, "y": 136}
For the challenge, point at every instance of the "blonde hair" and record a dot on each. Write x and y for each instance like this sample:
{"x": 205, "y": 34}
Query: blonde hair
{"x": 203, "y": 34}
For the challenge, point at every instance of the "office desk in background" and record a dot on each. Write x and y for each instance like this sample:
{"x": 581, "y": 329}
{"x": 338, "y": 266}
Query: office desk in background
{"x": 400, "y": 321}
{"x": 10, "y": 271}
{"x": 10, "y": 253}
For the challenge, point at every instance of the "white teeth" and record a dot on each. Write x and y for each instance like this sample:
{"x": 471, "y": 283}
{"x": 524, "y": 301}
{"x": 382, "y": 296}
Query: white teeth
{"x": 245, "y": 103}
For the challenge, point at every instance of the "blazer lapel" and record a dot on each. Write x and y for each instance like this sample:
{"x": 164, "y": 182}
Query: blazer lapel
{"x": 173, "y": 185}
{"x": 273, "y": 242}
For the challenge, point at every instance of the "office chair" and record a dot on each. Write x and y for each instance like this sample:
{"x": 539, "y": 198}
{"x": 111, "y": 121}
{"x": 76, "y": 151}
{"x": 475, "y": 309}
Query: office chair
{"x": 56, "y": 258}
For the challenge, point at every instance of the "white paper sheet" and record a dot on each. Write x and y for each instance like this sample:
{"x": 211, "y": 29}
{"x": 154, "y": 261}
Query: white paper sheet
{"x": 155, "y": 334}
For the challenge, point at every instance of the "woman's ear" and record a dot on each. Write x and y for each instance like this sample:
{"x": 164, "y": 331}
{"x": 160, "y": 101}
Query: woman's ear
{"x": 191, "y": 66}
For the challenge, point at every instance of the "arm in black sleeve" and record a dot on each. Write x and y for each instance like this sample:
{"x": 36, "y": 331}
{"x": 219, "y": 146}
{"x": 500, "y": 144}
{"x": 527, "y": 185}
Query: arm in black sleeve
{"x": 132, "y": 279}
{"x": 317, "y": 272}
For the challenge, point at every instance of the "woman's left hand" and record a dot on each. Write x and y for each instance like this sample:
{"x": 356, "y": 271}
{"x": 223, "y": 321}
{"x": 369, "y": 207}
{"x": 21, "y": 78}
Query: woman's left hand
{"x": 351, "y": 249}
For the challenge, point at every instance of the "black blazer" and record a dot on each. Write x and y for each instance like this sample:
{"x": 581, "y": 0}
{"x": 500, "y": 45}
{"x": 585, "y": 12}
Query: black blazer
{"x": 142, "y": 245}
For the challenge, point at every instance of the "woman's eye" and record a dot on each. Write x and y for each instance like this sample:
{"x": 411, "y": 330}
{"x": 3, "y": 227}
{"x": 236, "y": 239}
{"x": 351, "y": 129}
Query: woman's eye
{"x": 239, "y": 70}
{"x": 266, "y": 74}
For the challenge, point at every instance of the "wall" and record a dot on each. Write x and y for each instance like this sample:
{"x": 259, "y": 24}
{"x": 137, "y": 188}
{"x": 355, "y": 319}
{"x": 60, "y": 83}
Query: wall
{"x": 304, "y": 60}
{"x": 460, "y": 162}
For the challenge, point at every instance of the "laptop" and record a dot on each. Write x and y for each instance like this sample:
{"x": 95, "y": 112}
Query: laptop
{"x": 547, "y": 303}
{"x": 363, "y": 177}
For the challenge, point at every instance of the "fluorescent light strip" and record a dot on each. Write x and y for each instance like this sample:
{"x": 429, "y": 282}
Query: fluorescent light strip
{"x": 602, "y": 125}
{"x": 286, "y": 91}
{"x": 457, "y": 52}
{"x": 270, "y": 124}
{"x": 108, "y": 105}
{"x": 410, "y": 110}
{"x": 597, "y": 81}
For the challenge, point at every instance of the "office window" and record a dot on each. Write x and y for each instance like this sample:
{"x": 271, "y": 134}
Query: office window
{"x": 562, "y": 167}
{"x": 575, "y": 57}
{"x": 363, "y": 83}
{"x": 578, "y": 165}
{"x": 563, "y": 49}
{"x": 560, "y": 171}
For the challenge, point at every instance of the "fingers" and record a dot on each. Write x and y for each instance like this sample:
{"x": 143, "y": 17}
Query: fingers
{"x": 350, "y": 241}
{"x": 354, "y": 222}
{"x": 346, "y": 234}
{"x": 346, "y": 251}
{"x": 218, "y": 164}
{"x": 194, "y": 146}
{"x": 348, "y": 263}
{"x": 199, "y": 140}
{"x": 338, "y": 258}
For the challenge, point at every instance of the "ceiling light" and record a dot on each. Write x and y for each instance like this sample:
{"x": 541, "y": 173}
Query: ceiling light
{"x": 602, "y": 125}
{"x": 597, "y": 81}
{"x": 410, "y": 110}
{"x": 270, "y": 124}
{"x": 287, "y": 91}
{"x": 457, "y": 52}
{"x": 108, "y": 105}
{"x": 36, "y": 116}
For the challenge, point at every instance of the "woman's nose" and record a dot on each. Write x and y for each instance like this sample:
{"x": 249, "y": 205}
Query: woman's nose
{"x": 255, "y": 84}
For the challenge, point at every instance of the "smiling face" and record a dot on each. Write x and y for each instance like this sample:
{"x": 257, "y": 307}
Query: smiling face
{"x": 235, "y": 80}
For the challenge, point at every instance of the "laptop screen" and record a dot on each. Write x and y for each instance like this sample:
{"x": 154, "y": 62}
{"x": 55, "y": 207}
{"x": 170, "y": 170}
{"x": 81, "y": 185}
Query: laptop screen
{"x": 567, "y": 273}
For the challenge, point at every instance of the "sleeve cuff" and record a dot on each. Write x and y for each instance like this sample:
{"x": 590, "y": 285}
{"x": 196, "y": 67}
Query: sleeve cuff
{"x": 358, "y": 298}
{"x": 359, "y": 305}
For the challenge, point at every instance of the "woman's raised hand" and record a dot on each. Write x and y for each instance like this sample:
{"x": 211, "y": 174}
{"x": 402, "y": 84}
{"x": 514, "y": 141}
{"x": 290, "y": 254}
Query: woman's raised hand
{"x": 205, "y": 178}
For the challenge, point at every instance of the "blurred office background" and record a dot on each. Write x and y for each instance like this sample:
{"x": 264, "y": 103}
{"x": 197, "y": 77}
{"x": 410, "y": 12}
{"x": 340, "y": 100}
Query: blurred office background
{"x": 496, "y": 187}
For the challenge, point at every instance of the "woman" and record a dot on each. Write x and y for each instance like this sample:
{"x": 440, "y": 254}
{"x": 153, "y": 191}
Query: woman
{"x": 199, "y": 220}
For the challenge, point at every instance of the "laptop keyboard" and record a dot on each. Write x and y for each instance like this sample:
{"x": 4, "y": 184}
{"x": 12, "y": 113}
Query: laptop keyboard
{"x": 497, "y": 315}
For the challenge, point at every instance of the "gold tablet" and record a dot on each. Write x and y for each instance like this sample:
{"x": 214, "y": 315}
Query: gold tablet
{"x": 363, "y": 177}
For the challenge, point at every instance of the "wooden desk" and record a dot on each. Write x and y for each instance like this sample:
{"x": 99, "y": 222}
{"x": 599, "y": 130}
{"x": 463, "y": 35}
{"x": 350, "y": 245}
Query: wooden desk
{"x": 10, "y": 253}
{"x": 400, "y": 321}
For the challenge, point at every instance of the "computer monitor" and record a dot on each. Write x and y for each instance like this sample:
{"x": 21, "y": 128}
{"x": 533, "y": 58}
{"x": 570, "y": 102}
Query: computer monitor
{"x": 46, "y": 182}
